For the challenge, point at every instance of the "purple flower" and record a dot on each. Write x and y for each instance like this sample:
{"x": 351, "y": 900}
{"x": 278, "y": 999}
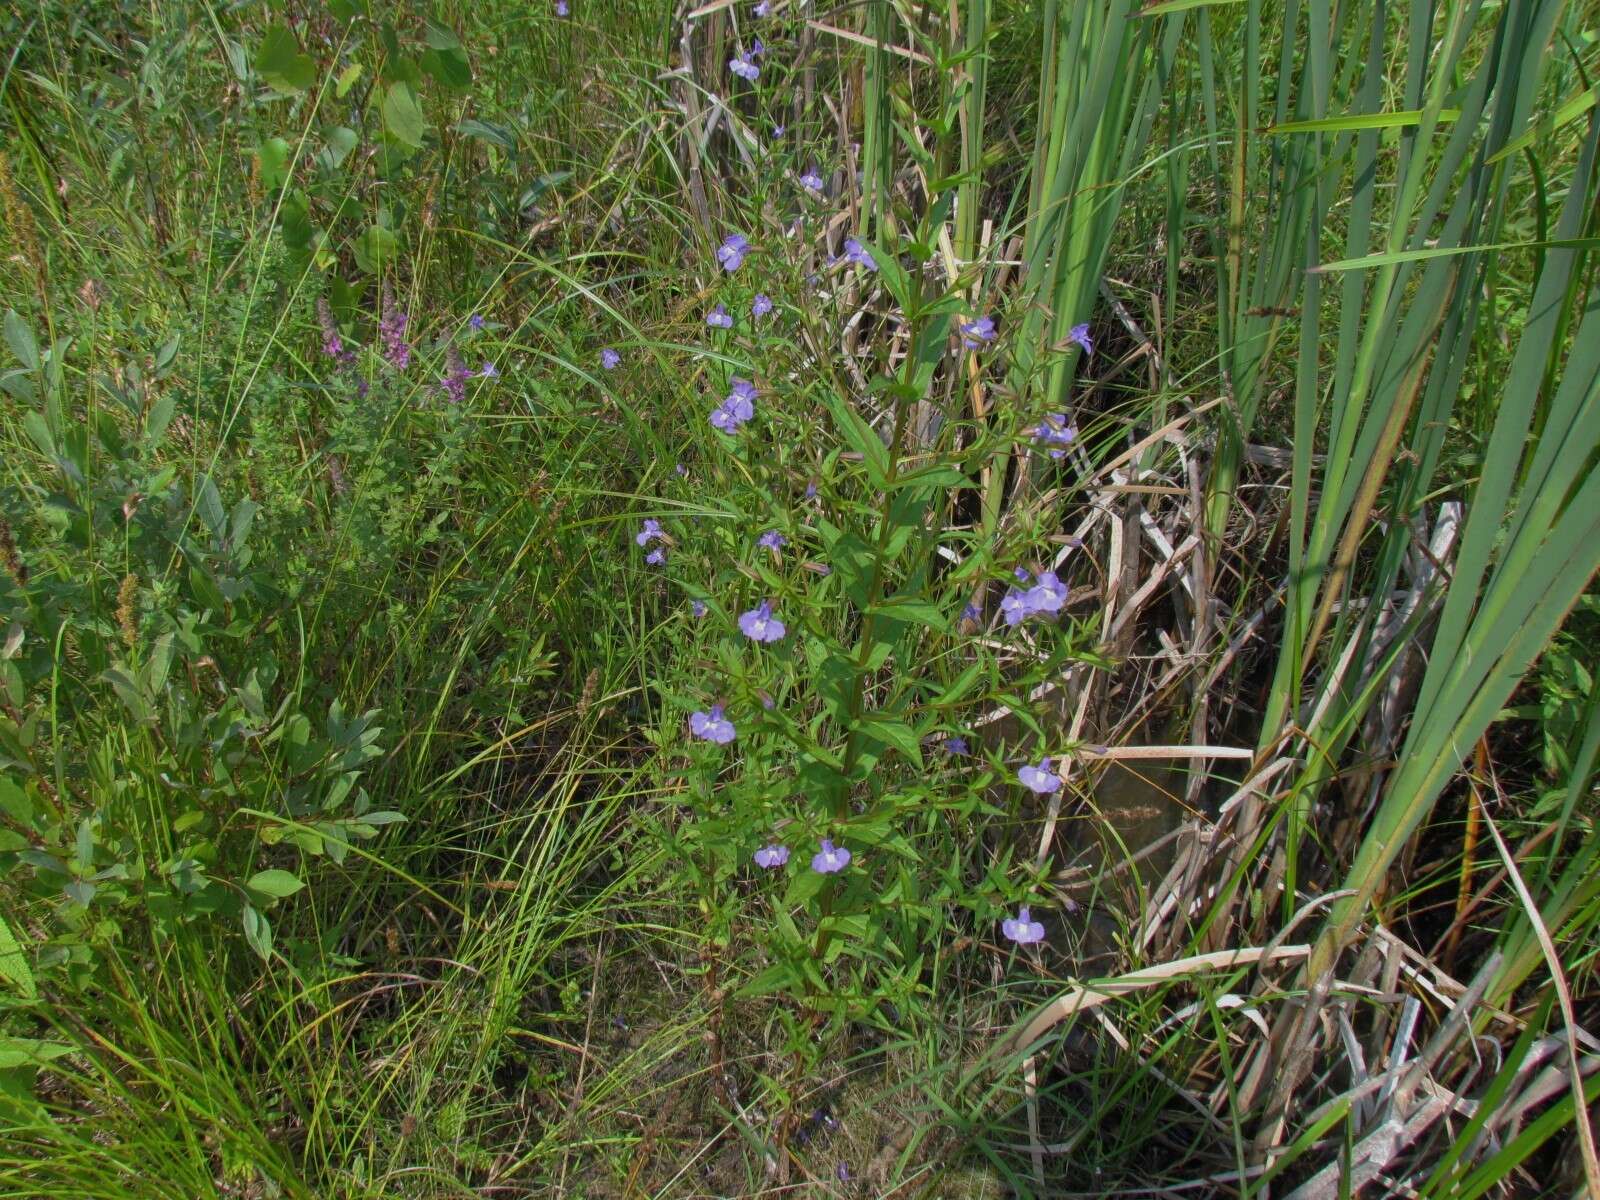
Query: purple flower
{"x": 475, "y": 322}
{"x": 972, "y": 613}
{"x": 1080, "y": 335}
{"x": 811, "y": 181}
{"x": 955, "y": 745}
{"x": 975, "y": 333}
{"x": 772, "y": 540}
{"x": 759, "y": 625}
{"x": 1020, "y": 573}
{"x": 1022, "y": 930}
{"x": 697, "y": 608}
{"x": 680, "y": 470}
{"x": 855, "y": 252}
{"x": 657, "y": 556}
{"x": 761, "y": 305}
{"x": 778, "y": 130}
{"x": 392, "y": 325}
{"x": 738, "y": 408}
{"x": 732, "y": 251}
{"x": 489, "y": 370}
{"x": 763, "y": 9}
{"x": 712, "y": 726}
{"x": 455, "y": 376}
{"x": 744, "y": 66}
{"x": 1047, "y": 594}
{"x": 756, "y": 48}
{"x": 332, "y": 344}
{"x": 649, "y": 533}
{"x": 561, "y": 8}
{"x": 610, "y": 359}
{"x": 830, "y": 858}
{"x": 811, "y": 490}
{"x": 772, "y": 856}
{"x": 1056, "y": 433}
{"x": 1014, "y": 607}
{"x": 1040, "y": 780}
{"x": 718, "y": 318}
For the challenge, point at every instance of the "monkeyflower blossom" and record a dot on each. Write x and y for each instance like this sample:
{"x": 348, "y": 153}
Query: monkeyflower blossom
{"x": 1047, "y": 594}
{"x": 1080, "y": 335}
{"x": 1021, "y": 929}
{"x": 712, "y": 726}
{"x": 972, "y": 613}
{"x": 772, "y": 856}
{"x": 1014, "y": 606}
{"x": 1055, "y": 432}
{"x": 718, "y": 318}
{"x": 392, "y": 325}
{"x": 738, "y": 408}
{"x": 732, "y": 252}
{"x": 744, "y": 66}
{"x": 475, "y": 322}
{"x": 649, "y": 532}
{"x": 761, "y": 305}
{"x": 610, "y": 359}
{"x": 1040, "y": 780}
{"x": 489, "y": 370}
{"x": 811, "y": 181}
{"x": 759, "y": 625}
{"x": 657, "y": 556}
{"x": 772, "y": 540}
{"x": 955, "y": 745}
{"x": 763, "y": 9}
{"x": 856, "y": 253}
{"x": 976, "y": 333}
{"x": 561, "y": 8}
{"x": 697, "y": 608}
{"x": 830, "y": 859}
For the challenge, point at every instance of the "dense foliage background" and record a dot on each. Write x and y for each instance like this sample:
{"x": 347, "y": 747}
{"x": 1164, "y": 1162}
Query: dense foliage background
{"x": 886, "y": 599}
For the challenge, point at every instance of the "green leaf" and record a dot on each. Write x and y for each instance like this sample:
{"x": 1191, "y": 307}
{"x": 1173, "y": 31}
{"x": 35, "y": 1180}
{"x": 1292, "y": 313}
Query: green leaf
{"x": 23, "y": 1052}
{"x": 347, "y": 80}
{"x": 275, "y": 883}
{"x": 258, "y": 932}
{"x": 1353, "y": 121}
{"x": 907, "y": 608}
{"x": 273, "y": 155}
{"x": 280, "y": 63}
{"x": 374, "y": 248}
{"x": 14, "y": 963}
{"x": 495, "y": 135}
{"x": 861, "y": 438}
{"x": 402, "y": 115}
{"x": 20, "y": 338}
{"x": 779, "y": 977}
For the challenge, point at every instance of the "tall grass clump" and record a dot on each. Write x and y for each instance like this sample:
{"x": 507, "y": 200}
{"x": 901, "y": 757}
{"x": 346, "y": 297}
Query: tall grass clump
{"x": 967, "y": 601}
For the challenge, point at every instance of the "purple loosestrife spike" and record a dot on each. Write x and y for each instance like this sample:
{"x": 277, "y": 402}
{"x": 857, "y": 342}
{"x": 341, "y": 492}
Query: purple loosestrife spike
{"x": 759, "y": 625}
{"x": 1047, "y": 594}
{"x": 811, "y": 180}
{"x": 830, "y": 858}
{"x": 761, "y": 306}
{"x": 772, "y": 856}
{"x": 712, "y": 726}
{"x": 657, "y": 556}
{"x": 332, "y": 344}
{"x": 732, "y": 252}
{"x": 649, "y": 532}
{"x": 697, "y": 608}
{"x": 1040, "y": 780}
{"x": 718, "y": 318}
{"x": 1080, "y": 335}
{"x": 392, "y": 325}
{"x": 1022, "y": 929}
{"x": 976, "y": 333}
{"x": 455, "y": 376}
{"x": 772, "y": 540}
{"x": 610, "y": 359}
{"x": 855, "y": 252}
{"x": 955, "y": 745}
